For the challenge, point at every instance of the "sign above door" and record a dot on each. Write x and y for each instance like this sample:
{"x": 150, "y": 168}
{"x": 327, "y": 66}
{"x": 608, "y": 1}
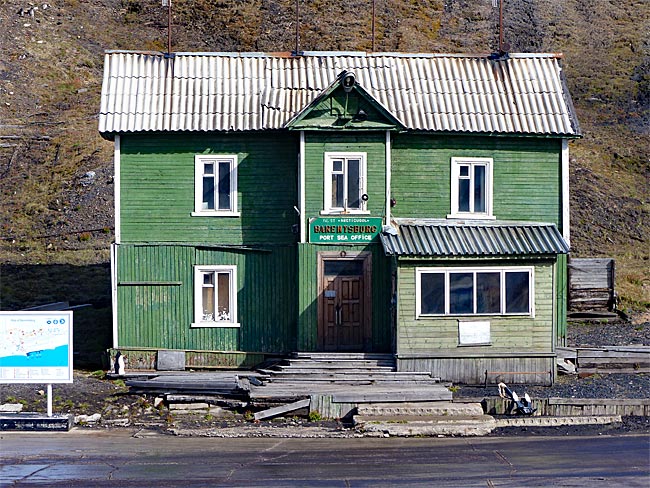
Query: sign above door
{"x": 344, "y": 230}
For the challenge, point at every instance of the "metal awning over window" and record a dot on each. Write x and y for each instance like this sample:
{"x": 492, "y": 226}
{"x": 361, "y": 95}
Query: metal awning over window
{"x": 423, "y": 238}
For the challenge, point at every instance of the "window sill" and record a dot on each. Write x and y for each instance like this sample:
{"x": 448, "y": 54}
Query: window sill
{"x": 215, "y": 325}
{"x": 341, "y": 213}
{"x": 471, "y": 316}
{"x": 215, "y": 214}
{"x": 471, "y": 216}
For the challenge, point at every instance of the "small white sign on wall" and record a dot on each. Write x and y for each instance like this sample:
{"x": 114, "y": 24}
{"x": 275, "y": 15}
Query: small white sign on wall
{"x": 474, "y": 333}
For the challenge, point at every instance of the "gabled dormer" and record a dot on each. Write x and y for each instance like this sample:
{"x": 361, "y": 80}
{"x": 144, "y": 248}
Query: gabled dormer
{"x": 345, "y": 105}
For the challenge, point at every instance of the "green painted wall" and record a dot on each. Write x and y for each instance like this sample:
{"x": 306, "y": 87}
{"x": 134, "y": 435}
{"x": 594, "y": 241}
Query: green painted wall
{"x": 527, "y": 175}
{"x": 308, "y": 295}
{"x": 159, "y": 315}
{"x": 157, "y": 188}
{"x": 508, "y": 334}
{"x": 318, "y": 143}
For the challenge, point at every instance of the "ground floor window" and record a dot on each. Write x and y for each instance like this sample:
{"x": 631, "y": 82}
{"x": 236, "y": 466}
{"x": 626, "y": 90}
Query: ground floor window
{"x": 474, "y": 291}
{"x": 215, "y": 296}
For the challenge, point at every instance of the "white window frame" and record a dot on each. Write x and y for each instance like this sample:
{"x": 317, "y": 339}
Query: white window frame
{"x": 329, "y": 157}
{"x": 500, "y": 269}
{"x": 199, "y": 161}
{"x": 456, "y": 163}
{"x": 198, "y": 296}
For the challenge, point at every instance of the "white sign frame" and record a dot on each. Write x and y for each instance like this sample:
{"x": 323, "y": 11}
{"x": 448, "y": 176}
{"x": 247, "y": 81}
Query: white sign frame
{"x": 37, "y": 332}
{"x": 475, "y": 333}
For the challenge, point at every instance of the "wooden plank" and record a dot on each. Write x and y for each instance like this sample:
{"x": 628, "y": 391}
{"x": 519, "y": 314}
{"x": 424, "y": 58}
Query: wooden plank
{"x": 599, "y": 401}
{"x": 275, "y": 411}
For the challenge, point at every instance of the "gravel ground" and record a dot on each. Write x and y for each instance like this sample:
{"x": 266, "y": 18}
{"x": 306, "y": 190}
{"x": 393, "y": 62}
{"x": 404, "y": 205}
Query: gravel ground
{"x": 595, "y": 334}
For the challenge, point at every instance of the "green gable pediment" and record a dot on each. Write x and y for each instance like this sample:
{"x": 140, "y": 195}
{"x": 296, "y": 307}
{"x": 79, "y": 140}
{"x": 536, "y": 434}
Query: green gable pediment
{"x": 337, "y": 108}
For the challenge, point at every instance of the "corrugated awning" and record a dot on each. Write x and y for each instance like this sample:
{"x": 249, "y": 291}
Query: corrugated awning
{"x": 436, "y": 239}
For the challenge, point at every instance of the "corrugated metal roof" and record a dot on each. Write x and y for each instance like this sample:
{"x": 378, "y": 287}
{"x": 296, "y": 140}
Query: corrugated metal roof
{"x": 145, "y": 91}
{"x": 444, "y": 239}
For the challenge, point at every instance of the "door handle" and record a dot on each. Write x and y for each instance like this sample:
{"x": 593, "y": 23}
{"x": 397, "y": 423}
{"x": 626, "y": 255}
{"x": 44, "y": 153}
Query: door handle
{"x": 337, "y": 311}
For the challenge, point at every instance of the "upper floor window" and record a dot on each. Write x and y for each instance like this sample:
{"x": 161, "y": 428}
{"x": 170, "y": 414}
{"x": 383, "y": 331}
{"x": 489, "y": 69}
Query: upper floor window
{"x": 215, "y": 296}
{"x": 474, "y": 291}
{"x": 345, "y": 183}
{"x": 215, "y": 185}
{"x": 471, "y": 188}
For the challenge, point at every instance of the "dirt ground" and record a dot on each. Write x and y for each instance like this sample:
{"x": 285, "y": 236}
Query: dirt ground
{"x": 91, "y": 394}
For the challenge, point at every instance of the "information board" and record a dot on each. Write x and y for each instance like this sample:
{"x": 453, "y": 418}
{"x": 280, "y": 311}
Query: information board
{"x": 36, "y": 347}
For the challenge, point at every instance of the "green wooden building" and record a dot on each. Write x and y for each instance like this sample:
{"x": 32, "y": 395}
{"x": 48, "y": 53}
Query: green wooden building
{"x": 412, "y": 204}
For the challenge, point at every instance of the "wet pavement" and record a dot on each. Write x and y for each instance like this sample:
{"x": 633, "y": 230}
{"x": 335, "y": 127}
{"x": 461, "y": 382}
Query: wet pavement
{"x": 117, "y": 458}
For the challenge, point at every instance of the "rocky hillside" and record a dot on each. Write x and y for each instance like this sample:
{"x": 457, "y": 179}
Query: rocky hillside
{"x": 56, "y": 172}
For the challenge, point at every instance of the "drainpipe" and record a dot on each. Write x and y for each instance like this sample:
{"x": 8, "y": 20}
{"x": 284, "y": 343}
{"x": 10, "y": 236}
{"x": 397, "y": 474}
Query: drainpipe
{"x": 301, "y": 188}
{"x": 388, "y": 177}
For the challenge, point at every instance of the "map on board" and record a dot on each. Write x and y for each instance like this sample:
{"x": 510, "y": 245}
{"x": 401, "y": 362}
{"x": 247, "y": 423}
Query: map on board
{"x": 36, "y": 347}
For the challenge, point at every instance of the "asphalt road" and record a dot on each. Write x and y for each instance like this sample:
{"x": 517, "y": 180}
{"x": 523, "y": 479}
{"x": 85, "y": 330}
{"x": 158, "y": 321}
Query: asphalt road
{"x": 117, "y": 459}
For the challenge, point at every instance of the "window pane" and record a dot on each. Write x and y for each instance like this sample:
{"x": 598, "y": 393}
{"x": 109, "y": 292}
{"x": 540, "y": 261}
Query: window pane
{"x": 517, "y": 292}
{"x": 208, "y": 193}
{"x": 223, "y": 296}
{"x": 463, "y": 171}
{"x": 354, "y": 195}
{"x": 337, "y": 191}
{"x": 479, "y": 188}
{"x": 488, "y": 292}
{"x": 343, "y": 267}
{"x": 463, "y": 195}
{"x": 432, "y": 293}
{"x": 461, "y": 296}
{"x": 207, "y": 303}
{"x": 224, "y": 185}
{"x": 208, "y": 169}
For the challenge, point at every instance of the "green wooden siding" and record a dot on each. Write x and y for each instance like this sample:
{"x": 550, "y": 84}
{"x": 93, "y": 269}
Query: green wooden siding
{"x": 157, "y": 188}
{"x": 308, "y": 295}
{"x": 526, "y": 172}
{"x": 317, "y": 144}
{"x": 159, "y": 315}
{"x": 508, "y": 334}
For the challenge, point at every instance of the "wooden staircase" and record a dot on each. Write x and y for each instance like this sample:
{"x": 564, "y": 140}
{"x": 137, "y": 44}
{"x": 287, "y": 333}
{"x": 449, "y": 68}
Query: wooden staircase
{"x": 346, "y": 378}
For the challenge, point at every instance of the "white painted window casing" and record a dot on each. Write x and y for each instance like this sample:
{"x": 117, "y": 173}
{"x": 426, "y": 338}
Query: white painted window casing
{"x": 215, "y": 296}
{"x": 344, "y": 183}
{"x": 474, "y": 291}
{"x": 215, "y": 186}
{"x": 471, "y": 188}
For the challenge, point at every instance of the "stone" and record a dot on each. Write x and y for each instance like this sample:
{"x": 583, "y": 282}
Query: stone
{"x": 169, "y": 360}
{"x": 11, "y": 408}
{"x": 87, "y": 419}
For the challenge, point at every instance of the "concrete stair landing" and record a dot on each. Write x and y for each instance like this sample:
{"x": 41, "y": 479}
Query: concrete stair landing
{"x": 424, "y": 418}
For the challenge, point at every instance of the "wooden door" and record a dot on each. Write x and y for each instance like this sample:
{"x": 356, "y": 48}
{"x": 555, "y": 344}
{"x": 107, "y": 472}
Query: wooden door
{"x": 343, "y": 305}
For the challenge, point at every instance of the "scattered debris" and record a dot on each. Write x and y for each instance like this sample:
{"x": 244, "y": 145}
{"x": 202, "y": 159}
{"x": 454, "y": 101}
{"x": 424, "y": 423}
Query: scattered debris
{"x": 523, "y": 406}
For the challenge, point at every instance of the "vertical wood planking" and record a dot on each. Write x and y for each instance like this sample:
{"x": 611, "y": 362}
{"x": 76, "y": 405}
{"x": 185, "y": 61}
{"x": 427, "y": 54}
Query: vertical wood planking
{"x": 161, "y": 315}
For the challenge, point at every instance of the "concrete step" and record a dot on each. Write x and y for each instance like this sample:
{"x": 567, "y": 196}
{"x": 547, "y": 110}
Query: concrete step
{"x": 342, "y": 356}
{"x": 369, "y": 364}
{"x": 420, "y": 409}
{"x": 312, "y": 369}
{"x": 432, "y": 425}
{"x": 347, "y": 375}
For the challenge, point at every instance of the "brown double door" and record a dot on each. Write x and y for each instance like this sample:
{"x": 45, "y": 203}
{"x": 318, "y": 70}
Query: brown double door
{"x": 344, "y": 302}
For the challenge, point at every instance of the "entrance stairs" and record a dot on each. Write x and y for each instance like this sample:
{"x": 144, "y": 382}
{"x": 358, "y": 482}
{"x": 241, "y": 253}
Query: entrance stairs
{"x": 366, "y": 388}
{"x": 350, "y": 377}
